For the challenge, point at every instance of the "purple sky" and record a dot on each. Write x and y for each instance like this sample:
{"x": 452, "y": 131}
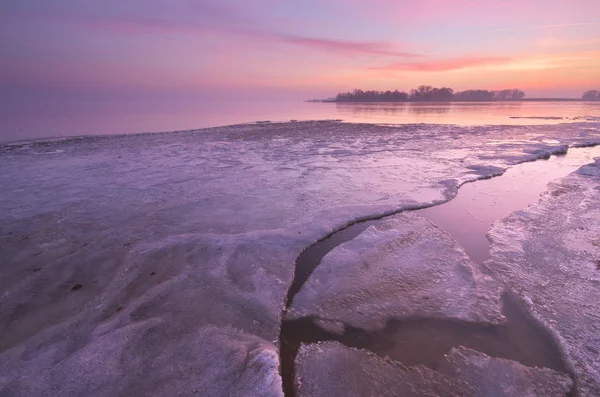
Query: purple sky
{"x": 294, "y": 49}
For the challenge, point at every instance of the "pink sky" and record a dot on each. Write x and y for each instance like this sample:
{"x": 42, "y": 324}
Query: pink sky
{"x": 297, "y": 49}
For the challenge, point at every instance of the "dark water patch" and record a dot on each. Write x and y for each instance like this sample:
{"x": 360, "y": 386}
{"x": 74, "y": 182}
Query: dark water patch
{"x": 425, "y": 341}
{"x": 469, "y": 215}
{"x": 310, "y": 258}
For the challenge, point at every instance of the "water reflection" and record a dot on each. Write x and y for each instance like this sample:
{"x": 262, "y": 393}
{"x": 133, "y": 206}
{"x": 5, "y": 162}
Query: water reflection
{"x": 435, "y": 112}
{"x": 430, "y": 108}
{"x": 89, "y": 118}
{"x": 469, "y": 216}
{"x": 470, "y": 113}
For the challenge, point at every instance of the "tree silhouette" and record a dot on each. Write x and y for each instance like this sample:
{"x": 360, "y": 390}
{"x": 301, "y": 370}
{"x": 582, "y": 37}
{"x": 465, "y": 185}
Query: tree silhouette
{"x": 475, "y": 95}
{"x": 371, "y": 96}
{"x": 428, "y": 93}
{"x": 591, "y": 95}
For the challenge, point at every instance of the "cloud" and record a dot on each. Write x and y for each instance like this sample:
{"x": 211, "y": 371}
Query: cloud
{"x": 200, "y": 18}
{"x": 346, "y": 46}
{"x": 539, "y": 27}
{"x": 568, "y": 43}
{"x": 339, "y": 46}
{"x": 443, "y": 65}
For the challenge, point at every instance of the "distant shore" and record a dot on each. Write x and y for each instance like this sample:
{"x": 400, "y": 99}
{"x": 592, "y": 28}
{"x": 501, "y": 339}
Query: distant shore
{"x": 333, "y": 100}
{"x": 428, "y": 93}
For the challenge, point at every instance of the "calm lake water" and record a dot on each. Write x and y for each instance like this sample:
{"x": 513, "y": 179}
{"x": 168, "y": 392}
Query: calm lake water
{"x": 469, "y": 216}
{"x": 85, "y": 118}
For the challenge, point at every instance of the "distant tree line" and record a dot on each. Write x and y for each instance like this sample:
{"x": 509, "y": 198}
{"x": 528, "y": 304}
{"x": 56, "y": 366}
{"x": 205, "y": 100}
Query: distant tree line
{"x": 591, "y": 95}
{"x": 486, "y": 95}
{"x": 428, "y": 93}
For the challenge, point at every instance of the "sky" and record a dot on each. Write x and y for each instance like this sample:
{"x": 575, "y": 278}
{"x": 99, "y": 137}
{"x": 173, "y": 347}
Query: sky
{"x": 294, "y": 49}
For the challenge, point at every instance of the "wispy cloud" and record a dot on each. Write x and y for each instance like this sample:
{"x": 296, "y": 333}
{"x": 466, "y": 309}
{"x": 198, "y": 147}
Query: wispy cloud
{"x": 539, "y": 27}
{"x": 339, "y": 46}
{"x": 572, "y": 59}
{"x": 345, "y": 46}
{"x": 554, "y": 42}
{"x": 443, "y": 65}
{"x": 557, "y": 61}
{"x": 207, "y": 20}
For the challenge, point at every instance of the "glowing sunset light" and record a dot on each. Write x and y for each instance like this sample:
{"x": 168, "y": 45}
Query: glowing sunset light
{"x": 299, "y": 47}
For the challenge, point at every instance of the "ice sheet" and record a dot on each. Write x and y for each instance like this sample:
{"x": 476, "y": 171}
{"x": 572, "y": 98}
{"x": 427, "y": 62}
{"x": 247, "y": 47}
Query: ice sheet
{"x": 331, "y": 369}
{"x": 198, "y": 229}
{"x": 549, "y": 255}
{"x": 401, "y": 268}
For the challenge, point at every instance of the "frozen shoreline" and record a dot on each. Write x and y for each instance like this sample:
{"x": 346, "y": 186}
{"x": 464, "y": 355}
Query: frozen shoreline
{"x": 172, "y": 235}
{"x": 548, "y": 255}
{"x": 364, "y": 279}
{"x": 557, "y": 120}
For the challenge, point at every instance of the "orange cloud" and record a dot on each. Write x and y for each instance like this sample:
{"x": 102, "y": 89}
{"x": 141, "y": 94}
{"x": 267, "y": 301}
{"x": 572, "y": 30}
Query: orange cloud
{"x": 537, "y": 27}
{"x": 444, "y": 65}
{"x": 157, "y": 26}
{"x": 345, "y": 46}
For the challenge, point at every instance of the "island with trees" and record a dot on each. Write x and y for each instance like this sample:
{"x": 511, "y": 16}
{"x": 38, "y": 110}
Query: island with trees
{"x": 427, "y": 93}
{"x": 591, "y": 95}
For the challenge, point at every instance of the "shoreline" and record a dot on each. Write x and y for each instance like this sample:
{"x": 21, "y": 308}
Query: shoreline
{"x": 55, "y": 139}
{"x": 463, "y": 101}
{"x": 18, "y": 129}
{"x": 115, "y": 238}
{"x": 129, "y": 134}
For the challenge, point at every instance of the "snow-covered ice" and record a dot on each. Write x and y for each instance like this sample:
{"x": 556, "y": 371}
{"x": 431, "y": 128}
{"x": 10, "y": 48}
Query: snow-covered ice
{"x": 136, "y": 250}
{"x": 331, "y": 369}
{"x": 503, "y": 378}
{"x": 134, "y": 361}
{"x": 549, "y": 255}
{"x": 403, "y": 267}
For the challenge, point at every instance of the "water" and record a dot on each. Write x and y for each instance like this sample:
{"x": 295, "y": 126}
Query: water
{"x": 36, "y": 120}
{"x": 467, "y": 218}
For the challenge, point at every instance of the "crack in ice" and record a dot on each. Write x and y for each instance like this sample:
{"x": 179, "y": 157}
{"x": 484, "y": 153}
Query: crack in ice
{"x": 520, "y": 339}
